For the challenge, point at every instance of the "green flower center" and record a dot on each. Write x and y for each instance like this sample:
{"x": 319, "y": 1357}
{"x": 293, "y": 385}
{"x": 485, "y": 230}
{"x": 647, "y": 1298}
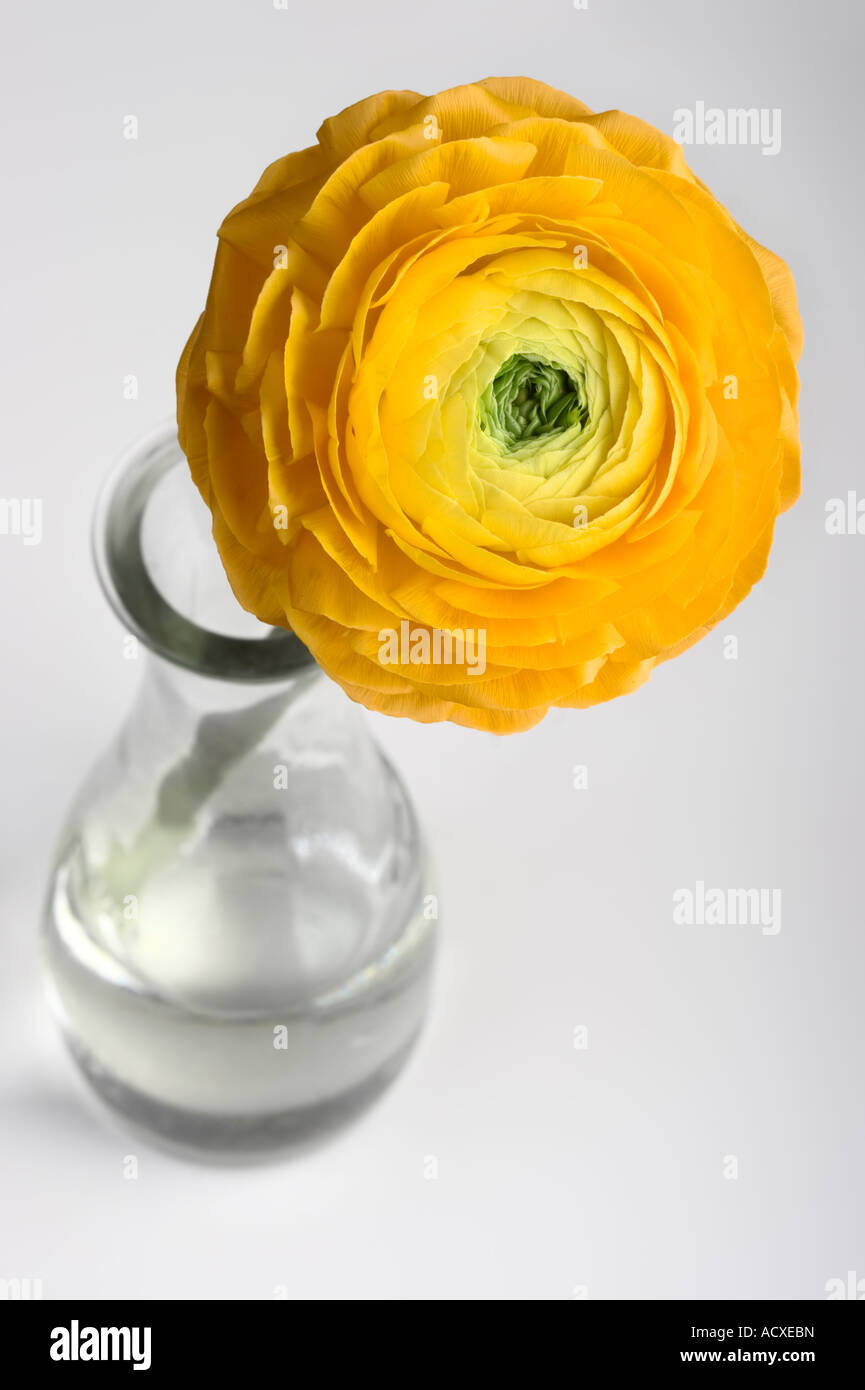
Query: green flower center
{"x": 529, "y": 398}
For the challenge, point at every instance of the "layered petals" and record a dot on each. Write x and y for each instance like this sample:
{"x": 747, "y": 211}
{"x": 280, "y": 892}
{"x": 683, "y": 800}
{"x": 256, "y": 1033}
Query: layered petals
{"x": 492, "y": 402}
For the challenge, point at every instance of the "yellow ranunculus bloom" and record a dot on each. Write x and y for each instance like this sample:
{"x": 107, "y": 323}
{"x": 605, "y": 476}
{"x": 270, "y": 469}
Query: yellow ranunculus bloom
{"x": 493, "y": 403}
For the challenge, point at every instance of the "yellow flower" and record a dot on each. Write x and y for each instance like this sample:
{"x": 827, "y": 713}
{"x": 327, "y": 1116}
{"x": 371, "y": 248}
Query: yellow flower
{"x": 492, "y": 402}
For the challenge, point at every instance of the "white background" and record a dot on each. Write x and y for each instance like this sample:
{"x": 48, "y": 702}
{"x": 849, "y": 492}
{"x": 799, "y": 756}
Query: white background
{"x": 558, "y": 1168}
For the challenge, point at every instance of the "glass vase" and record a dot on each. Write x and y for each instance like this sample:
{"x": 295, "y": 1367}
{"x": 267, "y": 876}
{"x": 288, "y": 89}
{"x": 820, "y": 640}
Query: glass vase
{"x": 239, "y": 932}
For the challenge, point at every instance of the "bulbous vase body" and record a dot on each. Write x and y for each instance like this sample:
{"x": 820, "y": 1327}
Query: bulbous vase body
{"x": 239, "y": 932}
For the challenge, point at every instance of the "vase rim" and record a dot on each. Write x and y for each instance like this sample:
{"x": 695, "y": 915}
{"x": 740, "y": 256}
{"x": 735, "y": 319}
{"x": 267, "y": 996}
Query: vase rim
{"x": 136, "y": 600}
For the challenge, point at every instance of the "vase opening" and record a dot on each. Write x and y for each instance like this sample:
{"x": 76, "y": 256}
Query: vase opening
{"x": 161, "y": 573}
